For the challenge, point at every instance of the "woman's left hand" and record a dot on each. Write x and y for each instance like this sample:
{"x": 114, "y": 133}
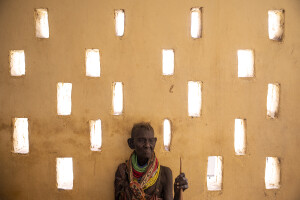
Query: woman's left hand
{"x": 181, "y": 182}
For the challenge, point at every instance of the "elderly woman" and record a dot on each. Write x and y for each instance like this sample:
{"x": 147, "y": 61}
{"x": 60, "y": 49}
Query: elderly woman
{"x": 142, "y": 177}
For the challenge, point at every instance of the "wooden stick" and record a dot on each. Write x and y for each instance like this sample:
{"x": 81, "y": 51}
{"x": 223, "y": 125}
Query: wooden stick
{"x": 181, "y": 191}
{"x": 180, "y": 166}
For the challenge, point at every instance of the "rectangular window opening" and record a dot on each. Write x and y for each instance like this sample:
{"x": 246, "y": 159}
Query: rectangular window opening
{"x": 168, "y": 61}
{"x": 92, "y": 62}
{"x": 196, "y": 22}
{"x": 240, "y": 137}
{"x": 117, "y": 98}
{"x": 214, "y": 173}
{"x": 245, "y": 63}
{"x": 96, "y": 135}
{"x": 276, "y": 24}
{"x": 64, "y": 173}
{"x": 120, "y": 22}
{"x": 17, "y": 62}
{"x": 20, "y": 135}
{"x": 41, "y": 23}
{"x": 167, "y": 134}
{"x": 273, "y": 100}
{"x": 194, "y": 98}
{"x": 272, "y": 173}
{"x": 64, "y": 103}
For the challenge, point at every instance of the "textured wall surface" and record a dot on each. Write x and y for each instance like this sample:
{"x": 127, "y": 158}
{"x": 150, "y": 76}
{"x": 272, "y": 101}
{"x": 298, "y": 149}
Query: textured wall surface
{"x": 135, "y": 59}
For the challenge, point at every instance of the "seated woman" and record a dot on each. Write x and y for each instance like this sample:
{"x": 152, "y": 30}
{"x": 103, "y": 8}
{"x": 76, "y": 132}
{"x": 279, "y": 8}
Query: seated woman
{"x": 142, "y": 177}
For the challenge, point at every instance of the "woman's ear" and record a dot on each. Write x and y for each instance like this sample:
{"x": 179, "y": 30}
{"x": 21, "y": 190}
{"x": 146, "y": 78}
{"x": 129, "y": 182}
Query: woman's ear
{"x": 130, "y": 143}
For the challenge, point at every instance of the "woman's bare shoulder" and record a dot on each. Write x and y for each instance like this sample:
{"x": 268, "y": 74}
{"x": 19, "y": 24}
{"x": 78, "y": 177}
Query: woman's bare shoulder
{"x": 166, "y": 172}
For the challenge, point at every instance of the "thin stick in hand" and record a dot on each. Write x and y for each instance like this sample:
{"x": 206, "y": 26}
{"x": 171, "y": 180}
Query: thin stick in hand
{"x": 181, "y": 196}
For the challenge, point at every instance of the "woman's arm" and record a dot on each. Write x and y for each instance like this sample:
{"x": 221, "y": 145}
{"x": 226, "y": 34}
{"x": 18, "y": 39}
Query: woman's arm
{"x": 167, "y": 184}
{"x": 180, "y": 183}
{"x": 121, "y": 182}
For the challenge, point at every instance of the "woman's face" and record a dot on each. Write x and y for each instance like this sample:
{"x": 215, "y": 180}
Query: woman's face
{"x": 144, "y": 143}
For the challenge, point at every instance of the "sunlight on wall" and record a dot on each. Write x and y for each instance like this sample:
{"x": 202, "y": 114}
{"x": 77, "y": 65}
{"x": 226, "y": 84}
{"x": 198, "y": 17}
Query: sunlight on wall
{"x": 41, "y": 23}
{"x": 168, "y": 61}
{"x": 64, "y": 173}
{"x": 245, "y": 63}
{"x": 17, "y": 62}
{"x": 273, "y": 100}
{"x": 167, "y": 134}
{"x": 120, "y": 22}
{"x": 117, "y": 98}
{"x": 196, "y": 22}
{"x": 194, "y": 98}
{"x": 272, "y": 173}
{"x": 92, "y": 62}
{"x": 64, "y": 103}
{"x": 20, "y": 136}
{"x": 276, "y": 24}
{"x": 240, "y": 137}
{"x": 214, "y": 173}
{"x": 95, "y": 135}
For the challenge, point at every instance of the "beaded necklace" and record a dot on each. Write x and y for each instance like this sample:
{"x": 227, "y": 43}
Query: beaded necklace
{"x": 136, "y": 166}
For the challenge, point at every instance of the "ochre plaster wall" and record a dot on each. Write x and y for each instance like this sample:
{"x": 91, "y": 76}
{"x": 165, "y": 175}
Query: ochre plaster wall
{"x": 135, "y": 59}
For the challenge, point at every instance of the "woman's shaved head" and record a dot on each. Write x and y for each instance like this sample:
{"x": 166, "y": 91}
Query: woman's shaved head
{"x": 145, "y": 126}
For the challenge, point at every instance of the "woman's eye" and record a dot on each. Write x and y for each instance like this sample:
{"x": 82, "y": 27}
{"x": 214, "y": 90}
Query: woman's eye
{"x": 144, "y": 140}
{"x": 141, "y": 140}
{"x": 152, "y": 140}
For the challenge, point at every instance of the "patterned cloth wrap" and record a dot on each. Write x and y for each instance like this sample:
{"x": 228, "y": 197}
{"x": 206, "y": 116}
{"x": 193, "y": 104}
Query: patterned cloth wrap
{"x": 141, "y": 178}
